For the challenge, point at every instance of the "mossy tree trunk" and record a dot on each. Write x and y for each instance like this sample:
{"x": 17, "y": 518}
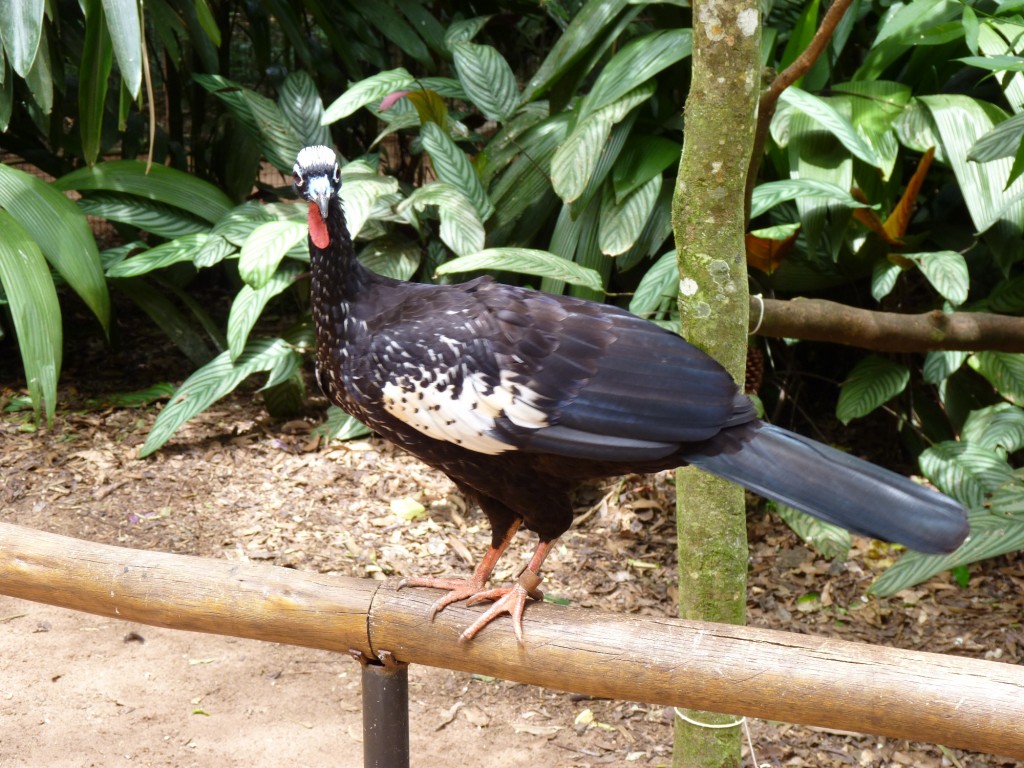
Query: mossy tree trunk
{"x": 708, "y": 222}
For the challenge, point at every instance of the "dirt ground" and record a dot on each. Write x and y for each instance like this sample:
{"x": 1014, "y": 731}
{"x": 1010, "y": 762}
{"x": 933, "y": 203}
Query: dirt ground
{"x": 79, "y": 690}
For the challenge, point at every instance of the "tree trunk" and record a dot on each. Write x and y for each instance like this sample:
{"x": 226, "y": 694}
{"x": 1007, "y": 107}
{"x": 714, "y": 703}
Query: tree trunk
{"x": 708, "y": 224}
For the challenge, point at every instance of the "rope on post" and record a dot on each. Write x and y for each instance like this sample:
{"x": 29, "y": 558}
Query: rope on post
{"x": 967, "y": 703}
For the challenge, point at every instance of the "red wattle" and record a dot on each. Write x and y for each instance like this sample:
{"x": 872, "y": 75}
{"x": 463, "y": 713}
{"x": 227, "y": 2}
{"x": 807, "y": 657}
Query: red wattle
{"x": 318, "y": 228}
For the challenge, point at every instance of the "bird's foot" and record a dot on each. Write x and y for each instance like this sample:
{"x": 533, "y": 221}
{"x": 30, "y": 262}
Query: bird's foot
{"x": 458, "y": 589}
{"x": 510, "y": 600}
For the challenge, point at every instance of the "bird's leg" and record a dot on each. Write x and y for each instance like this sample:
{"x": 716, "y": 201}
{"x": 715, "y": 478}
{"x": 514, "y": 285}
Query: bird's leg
{"x": 511, "y": 599}
{"x": 460, "y": 589}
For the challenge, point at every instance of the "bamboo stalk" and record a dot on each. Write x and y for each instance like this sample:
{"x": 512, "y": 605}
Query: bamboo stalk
{"x": 960, "y": 702}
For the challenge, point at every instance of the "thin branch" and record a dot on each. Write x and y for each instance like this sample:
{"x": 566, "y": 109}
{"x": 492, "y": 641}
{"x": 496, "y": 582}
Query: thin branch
{"x": 820, "y": 320}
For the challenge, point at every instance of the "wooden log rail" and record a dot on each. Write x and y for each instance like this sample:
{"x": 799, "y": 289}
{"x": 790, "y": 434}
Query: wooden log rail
{"x": 959, "y": 702}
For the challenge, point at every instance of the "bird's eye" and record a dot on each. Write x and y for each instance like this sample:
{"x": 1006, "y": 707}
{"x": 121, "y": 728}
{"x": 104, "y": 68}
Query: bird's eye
{"x": 297, "y": 179}
{"x": 337, "y": 173}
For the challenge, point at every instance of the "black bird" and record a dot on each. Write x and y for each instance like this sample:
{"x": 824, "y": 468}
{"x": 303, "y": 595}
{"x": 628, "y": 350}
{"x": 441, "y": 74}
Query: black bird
{"x": 518, "y": 396}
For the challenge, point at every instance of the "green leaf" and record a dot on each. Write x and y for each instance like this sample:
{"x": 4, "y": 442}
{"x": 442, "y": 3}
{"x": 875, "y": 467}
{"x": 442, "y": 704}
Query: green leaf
{"x": 249, "y": 303}
{"x": 964, "y": 471}
{"x": 947, "y": 272}
{"x": 156, "y": 303}
{"x": 990, "y": 537}
{"x": 301, "y": 104}
{"x": 994, "y": 63}
{"x": 160, "y": 219}
{"x": 163, "y": 184}
{"x": 340, "y": 426}
{"x": 392, "y": 256}
{"x": 828, "y": 117}
{"x": 207, "y": 22}
{"x": 832, "y": 541}
{"x": 94, "y": 75}
{"x": 1008, "y": 296}
{"x": 213, "y": 251}
{"x": 367, "y": 91}
{"x": 487, "y": 78}
{"x": 641, "y": 159}
{"x": 453, "y": 166}
{"x": 770, "y": 194}
{"x": 35, "y": 311}
{"x": 213, "y": 381}
{"x": 62, "y": 233}
{"x": 1008, "y": 500}
{"x": 873, "y": 382}
{"x": 172, "y": 252}
{"x": 939, "y": 365}
{"x": 21, "y": 27}
{"x": 40, "y": 77}
{"x": 1004, "y": 370}
{"x": 461, "y": 228}
{"x": 658, "y": 284}
{"x": 359, "y": 196}
{"x": 1004, "y": 140}
{"x": 526, "y": 261}
{"x": 6, "y": 95}
{"x": 621, "y": 223}
{"x": 124, "y": 27}
{"x": 263, "y": 250}
{"x": 998, "y": 427}
{"x": 883, "y": 278}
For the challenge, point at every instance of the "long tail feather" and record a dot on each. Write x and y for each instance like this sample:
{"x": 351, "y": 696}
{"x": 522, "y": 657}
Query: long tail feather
{"x": 833, "y": 486}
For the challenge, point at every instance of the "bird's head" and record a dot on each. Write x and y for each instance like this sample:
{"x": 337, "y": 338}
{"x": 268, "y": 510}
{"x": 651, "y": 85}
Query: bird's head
{"x": 316, "y": 177}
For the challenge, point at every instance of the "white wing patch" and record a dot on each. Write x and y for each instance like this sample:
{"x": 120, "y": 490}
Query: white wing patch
{"x": 466, "y": 417}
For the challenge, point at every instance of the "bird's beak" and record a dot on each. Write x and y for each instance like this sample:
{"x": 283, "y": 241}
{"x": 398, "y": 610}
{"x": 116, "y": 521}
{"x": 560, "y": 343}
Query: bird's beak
{"x": 320, "y": 194}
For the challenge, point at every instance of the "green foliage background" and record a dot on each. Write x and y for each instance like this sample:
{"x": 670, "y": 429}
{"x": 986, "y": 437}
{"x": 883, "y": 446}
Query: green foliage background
{"x": 536, "y": 142}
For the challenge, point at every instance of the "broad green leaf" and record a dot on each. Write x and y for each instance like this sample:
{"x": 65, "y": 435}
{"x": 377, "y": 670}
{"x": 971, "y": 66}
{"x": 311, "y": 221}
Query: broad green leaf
{"x": 998, "y": 427}
{"x": 249, "y": 303}
{"x": 830, "y": 540}
{"x": 62, "y": 233}
{"x": 157, "y": 303}
{"x": 873, "y": 382}
{"x": 6, "y": 96}
{"x": 393, "y": 26}
{"x": 359, "y": 196}
{"x": 875, "y": 106}
{"x": 636, "y": 63}
{"x": 487, "y": 78}
{"x": 990, "y": 536}
{"x": 392, "y": 256}
{"x": 621, "y": 223}
{"x": 642, "y": 158}
{"x": 453, "y": 167}
{"x": 658, "y": 284}
{"x": 995, "y": 63}
{"x": 827, "y": 115}
{"x": 770, "y": 194}
{"x": 40, "y": 77}
{"x": 461, "y": 228}
{"x": 263, "y": 250}
{"x": 124, "y": 26}
{"x": 213, "y": 251}
{"x": 21, "y": 27}
{"x": 883, "y": 278}
{"x": 1008, "y": 296}
{"x": 464, "y": 30}
{"x": 1007, "y": 501}
{"x": 207, "y": 22}
{"x": 238, "y": 224}
{"x": 939, "y": 365}
{"x": 340, "y": 426}
{"x": 964, "y": 471}
{"x": 210, "y": 383}
{"x": 160, "y": 219}
{"x": 1002, "y": 141}
{"x": 947, "y": 272}
{"x": 526, "y": 261}
{"x": 93, "y": 77}
{"x": 301, "y": 104}
{"x": 172, "y": 252}
{"x": 35, "y": 311}
{"x": 367, "y": 91}
{"x": 1004, "y": 370}
{"x": 163, "y": 184}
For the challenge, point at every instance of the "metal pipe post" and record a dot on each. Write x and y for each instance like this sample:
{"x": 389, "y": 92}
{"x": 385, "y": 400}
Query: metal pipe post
{"x": 385, "y": 713}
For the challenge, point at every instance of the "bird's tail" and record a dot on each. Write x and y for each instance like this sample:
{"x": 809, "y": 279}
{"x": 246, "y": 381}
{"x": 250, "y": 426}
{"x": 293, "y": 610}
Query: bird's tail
{"x": 833, "y": 486}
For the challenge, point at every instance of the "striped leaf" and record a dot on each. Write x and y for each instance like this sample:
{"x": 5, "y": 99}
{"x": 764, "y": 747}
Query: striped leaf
{"x": 939, "y": 365}
{"x": 340, "y": 426}
{"x": 461, "y": 228}
{"x": 163, "y": 184}
{"x": 873, "y": 381}
{"x": 998, "y": 427}
{"x": 301, "y": 104}
{"x": 359, "y": 196}
{"x": 452, "y": 166}
{"x": 1002, "y": 141}
{"x": 367, "y": 91}
{"x": 123, "y": 24}
{"x": 161, "y": 308}
{"x": 947, "y": 272}
{"x": 40, "y": 77}
{"x": 1008, "y": 296}
{"x": 883, "y": 278}
{"x": 94, "y": 76}
{"x": 1008, "y": 500}
{"x": 173, "y": 252}
{"x": 621, "y": 223}
{"x": 1004, "y": 370}
{"x": 526, "y": 261}
{"x": 392, "y": 256}
{"x": 238, "y": 224}
{"x": 656, "y": 286}
{"x": 158, "y": 218}
{"x": 487, "y": 78}
{"x": 263, "y": 250}
{"x": 213, "y": 251}
{"x": 249, "y": 303}
{"x": 210, "y": 383}
{"x": 990, "y": 536}
{"x": 770, "y": 194}
{"x": 35, "y": 311}
{"x": 21, "y": 27}
{"x": 964, "y": 471}
{"x": 829, "y": 118}
{"x": 61, "y": 231}
{"x": 830, "y": 540}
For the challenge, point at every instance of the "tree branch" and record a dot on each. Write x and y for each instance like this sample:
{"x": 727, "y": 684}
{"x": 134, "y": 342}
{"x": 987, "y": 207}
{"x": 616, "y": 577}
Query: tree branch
{"x": 820, "y": 320}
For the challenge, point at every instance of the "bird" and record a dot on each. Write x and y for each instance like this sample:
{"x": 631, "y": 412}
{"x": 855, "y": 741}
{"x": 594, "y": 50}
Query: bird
{"x": 519, "y": 396}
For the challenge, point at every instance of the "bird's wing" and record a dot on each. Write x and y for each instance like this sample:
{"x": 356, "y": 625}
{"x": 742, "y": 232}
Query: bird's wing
{"x": 495, "y": 368}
